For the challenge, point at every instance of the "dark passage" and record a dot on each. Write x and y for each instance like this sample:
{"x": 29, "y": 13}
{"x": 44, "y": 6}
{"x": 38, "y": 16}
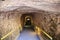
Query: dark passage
{"x": 28, "y": 32}
{"x": 28, "y": 24}
{"x": 28, "y": 21}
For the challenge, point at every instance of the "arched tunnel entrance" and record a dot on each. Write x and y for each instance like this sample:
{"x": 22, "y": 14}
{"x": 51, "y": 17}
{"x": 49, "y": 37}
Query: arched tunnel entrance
{"x": 27, "y": 21}
{"x": 30, "y": 23}
{"x": 28, "y": 28}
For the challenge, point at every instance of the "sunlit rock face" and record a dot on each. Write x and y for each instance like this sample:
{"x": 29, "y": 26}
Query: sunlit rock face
{"x": 47, "y": 5}
{"x": 9, "y": 21}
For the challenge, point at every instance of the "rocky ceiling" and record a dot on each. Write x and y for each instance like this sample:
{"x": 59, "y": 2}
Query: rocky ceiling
{"x": 46, "y": 5}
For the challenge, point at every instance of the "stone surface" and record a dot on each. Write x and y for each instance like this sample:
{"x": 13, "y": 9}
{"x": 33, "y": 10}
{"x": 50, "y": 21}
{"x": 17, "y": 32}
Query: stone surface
{"x": 8, "y": 23}
{"x": 46, "y": 15}
{"x": 47, "y": 5}
{"x": 49, "y": 23}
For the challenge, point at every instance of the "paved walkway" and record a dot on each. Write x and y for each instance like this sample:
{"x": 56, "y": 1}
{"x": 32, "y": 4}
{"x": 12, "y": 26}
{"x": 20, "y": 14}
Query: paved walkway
{"x": 28, "y": 35}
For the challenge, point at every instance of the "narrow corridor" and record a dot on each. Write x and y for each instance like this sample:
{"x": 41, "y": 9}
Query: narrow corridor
{"x": 28, "y": 32}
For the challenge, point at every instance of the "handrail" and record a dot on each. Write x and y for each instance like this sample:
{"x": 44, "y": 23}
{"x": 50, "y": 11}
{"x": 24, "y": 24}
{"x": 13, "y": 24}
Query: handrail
{"x": 9, "y": 33}
{"x": 39, "y": 29}
{"x": 44, "y": 32}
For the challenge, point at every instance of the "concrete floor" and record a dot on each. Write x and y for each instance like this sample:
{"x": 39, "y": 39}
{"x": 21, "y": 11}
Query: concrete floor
{"x": 28, "y": 35}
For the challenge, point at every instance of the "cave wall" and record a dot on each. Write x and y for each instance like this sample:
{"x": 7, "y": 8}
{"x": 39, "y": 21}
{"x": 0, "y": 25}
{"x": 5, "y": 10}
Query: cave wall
{"x": 46, "y": 5}
{"x": 9, "y": 21}
{"x": 49, "y": 22}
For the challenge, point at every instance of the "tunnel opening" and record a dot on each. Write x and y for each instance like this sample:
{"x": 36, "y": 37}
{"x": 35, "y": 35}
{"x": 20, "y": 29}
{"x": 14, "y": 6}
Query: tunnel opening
{"x": 27, "y": 21}
{"x": 28, "y": 32}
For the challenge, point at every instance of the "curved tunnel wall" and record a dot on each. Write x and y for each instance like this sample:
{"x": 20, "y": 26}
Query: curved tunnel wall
{"x": 8, "y": 22}
{"x": 49, "y": 23}
{"x": 45, "y": 20}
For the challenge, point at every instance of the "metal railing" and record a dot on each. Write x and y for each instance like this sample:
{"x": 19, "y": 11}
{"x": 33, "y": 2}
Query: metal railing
{"x": 8, "y": 34}
{"x": 40, "y": 30}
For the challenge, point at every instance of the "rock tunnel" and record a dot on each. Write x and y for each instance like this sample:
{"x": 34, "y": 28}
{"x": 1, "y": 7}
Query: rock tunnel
{"x": 11, "y": 20}
{"x": 45, "y": 21}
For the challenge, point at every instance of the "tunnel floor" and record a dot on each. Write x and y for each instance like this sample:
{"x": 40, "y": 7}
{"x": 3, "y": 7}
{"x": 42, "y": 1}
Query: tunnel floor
{"x": 28, "y": 35}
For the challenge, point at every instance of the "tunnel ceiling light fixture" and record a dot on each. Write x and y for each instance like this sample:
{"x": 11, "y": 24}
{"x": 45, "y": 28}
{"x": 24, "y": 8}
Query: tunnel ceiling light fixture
{"x": 28, "y": 19}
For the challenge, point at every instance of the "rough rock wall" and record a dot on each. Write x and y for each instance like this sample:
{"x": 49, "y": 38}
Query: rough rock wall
{"x": 9, "y": 21}
{"x": 47, "y": 5}
{"x": 50, "y": 23}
